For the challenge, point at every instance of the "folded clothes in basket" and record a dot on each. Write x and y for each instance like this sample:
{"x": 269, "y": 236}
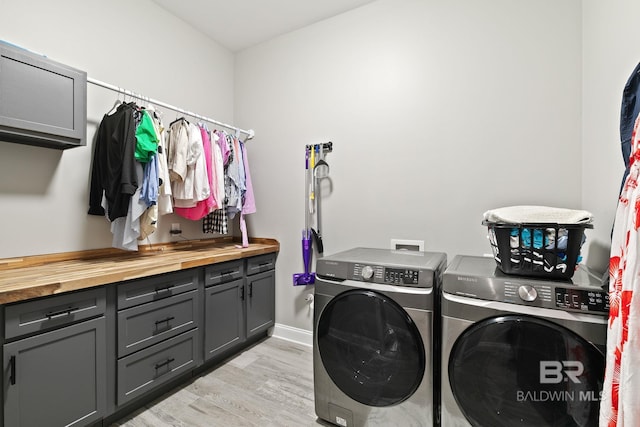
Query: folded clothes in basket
{"x": 537, "y": 214}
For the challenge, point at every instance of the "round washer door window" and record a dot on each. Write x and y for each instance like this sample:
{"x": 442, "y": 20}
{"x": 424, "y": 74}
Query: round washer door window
{"x": 370, "y": 348}
{"x": 525, "y": 371}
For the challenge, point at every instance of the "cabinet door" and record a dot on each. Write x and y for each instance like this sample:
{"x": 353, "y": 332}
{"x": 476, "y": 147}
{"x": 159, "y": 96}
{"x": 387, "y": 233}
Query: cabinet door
{"x": 261, "y": 293}
{"x": 57, "y": 378}
{"x": 224, "y": 324}
{"x": 42, "y": 102}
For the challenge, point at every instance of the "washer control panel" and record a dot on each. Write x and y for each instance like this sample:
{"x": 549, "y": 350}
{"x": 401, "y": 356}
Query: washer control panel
{"x": 582, "y": 299}
{"x": 542, "y": 295}
{"x": 479, "y": 277}
{"x": 518, "y": 292}
{"x": 386, "y": 275}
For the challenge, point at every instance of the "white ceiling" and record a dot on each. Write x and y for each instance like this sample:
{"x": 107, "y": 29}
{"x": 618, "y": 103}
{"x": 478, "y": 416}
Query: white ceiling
{"x": 238, "y": 24}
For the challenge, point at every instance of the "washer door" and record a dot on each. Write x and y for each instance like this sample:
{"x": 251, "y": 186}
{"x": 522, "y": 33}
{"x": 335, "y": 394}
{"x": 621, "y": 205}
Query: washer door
{"x": 371, "y": 348}
{"x": 526, "y": 371}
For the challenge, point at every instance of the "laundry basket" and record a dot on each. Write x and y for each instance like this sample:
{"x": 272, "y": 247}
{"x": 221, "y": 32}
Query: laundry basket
{"x": 545, "y": 250}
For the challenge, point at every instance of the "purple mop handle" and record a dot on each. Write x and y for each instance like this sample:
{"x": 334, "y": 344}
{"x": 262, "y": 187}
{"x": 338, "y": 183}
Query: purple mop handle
{"x": 306, "y": 159}
{"x": 306, "y": 253}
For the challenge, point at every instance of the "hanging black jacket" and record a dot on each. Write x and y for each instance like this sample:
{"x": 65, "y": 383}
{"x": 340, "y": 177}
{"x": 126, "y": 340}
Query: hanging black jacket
{"x": 113, "y": 171}
{"x": 628, "y": 114}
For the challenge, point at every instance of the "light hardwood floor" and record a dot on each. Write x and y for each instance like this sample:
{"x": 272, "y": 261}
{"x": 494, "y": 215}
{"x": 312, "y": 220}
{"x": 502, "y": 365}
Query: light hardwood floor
{"x": 270, "y": 384}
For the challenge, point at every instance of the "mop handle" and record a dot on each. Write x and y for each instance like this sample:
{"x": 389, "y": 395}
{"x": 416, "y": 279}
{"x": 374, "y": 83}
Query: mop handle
{"x": 306, "y": 189}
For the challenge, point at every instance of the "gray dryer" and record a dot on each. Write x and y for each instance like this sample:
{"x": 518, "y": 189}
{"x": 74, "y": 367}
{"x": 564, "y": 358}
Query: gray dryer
{"x": 374, "y": 343}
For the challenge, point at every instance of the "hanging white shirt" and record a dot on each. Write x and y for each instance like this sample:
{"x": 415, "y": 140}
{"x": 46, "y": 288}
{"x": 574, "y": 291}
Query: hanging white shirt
{"x": 164, "y": 188}
{"x": 195, "y": 186}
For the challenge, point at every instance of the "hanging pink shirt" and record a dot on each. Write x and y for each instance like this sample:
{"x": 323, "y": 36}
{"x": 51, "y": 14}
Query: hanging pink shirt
{"x": 249, "y": 202}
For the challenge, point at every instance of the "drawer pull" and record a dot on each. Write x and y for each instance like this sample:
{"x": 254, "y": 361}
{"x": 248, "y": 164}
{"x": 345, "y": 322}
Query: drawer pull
{"x": 264, "y": 264}
{"x": 12, "y": 370}
{"x": 167, "y": 320}
{"x": 165, "y": 289}
{"x": 60, "y": 313}
{"x": 223, "y": 274}
{"x": 165, "y": 363}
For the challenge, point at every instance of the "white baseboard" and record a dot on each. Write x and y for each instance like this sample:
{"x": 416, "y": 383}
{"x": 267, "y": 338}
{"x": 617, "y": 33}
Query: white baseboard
{"x": 289, "y": 333}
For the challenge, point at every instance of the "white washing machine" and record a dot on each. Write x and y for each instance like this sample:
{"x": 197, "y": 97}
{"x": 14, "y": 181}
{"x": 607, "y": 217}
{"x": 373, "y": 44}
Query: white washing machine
{"x": 518, "y": 351}
{"x": 373, "y": 351}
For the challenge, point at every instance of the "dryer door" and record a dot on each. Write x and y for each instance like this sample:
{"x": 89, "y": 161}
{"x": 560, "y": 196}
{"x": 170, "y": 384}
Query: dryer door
{"x": 525, "y": 371}
{"x": 371, "y": 348}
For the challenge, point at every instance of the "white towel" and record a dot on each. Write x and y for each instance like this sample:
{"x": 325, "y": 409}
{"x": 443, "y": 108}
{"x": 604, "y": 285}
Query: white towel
{"x": 538, "y": 214}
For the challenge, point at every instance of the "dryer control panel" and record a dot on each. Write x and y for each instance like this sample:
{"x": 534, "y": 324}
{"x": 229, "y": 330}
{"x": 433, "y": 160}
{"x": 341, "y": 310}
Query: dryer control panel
{"x": 386, "y": 275}
{"x": 384, "y": 267}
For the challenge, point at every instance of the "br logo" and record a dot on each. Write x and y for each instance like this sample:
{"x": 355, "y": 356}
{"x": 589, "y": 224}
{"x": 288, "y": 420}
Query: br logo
{"x": 554, "y": 372}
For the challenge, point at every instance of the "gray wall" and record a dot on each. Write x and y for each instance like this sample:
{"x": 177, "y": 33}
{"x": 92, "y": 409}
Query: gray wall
{"x": 438, "y": 111}
{"x": 135, "y": 45}
{"x": 610, "y": 53}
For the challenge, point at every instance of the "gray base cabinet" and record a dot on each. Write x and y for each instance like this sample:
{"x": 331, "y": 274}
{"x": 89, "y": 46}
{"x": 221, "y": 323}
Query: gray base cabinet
{"x": 81, "y": 358}
{"x": 238, "y": 309}
{"x": 261, "y": 294}
{"x": 57, "y": 378}
{"x": 224, "y": 317}
{"x": 157, "y": 331}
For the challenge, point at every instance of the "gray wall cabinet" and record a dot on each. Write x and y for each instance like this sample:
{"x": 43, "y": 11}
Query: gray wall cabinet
{"x": 42, "y": 102}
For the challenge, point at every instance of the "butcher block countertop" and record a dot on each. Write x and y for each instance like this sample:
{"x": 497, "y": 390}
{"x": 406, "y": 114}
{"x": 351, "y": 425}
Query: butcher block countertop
{"x": 42, "y": 275}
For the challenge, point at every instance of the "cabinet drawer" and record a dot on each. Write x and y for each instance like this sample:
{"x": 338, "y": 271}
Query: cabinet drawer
{"x": 148, "y": 324}
{"x": 223, "y": 272}
{"x": 53, "y": 312}
{"x": 151, "y": 367}
{"x": 156, "y": 287}
{"x": 261, "y": 263}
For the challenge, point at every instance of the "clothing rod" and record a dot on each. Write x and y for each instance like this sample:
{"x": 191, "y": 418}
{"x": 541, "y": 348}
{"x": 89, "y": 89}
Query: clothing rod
{"x": 250, "y": 133}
